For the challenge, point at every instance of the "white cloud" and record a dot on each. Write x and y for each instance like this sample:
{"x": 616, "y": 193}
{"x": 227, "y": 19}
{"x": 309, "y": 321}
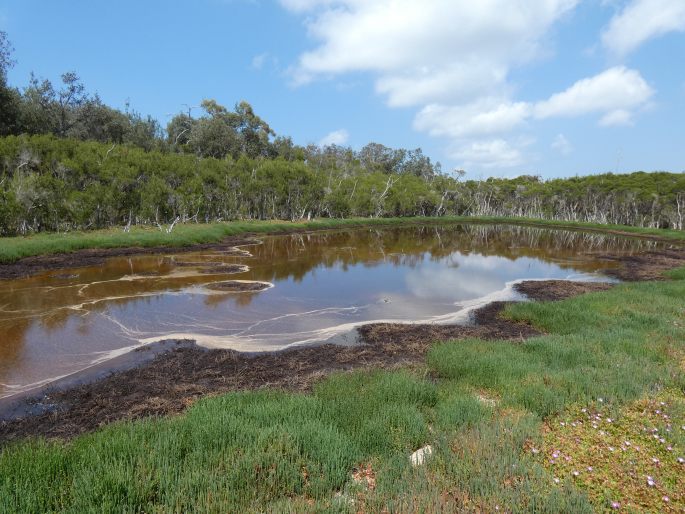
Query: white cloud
{"x": 452, "y": 59}
{"x": 486, "y": 116}
{"x": 425, "y": 86}
{"x": 617, "y": 88}
{"x": 495, "y": 153}
{"x": 258, "y": 61}
{"x": 616, "y": 118}
{"x": 337, "y": 137}
{"x": 265, "y": 61}
{"x": 305, "y": 5}
{"x": 428, "y": 51}
{"x": 642, "y": 20}
{"x": 562, "y": 145}
{"x": 614, "y": 94}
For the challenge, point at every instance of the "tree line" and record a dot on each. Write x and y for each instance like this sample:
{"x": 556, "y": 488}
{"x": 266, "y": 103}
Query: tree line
{"x": 68, "y": 161}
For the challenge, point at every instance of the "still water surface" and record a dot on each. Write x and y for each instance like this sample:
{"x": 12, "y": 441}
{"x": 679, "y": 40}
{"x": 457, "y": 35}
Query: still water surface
{"x": 323, "y": 285}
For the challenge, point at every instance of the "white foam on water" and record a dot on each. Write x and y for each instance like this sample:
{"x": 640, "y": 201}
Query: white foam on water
{"x": 12, "y": 389}
{"x": 243, "y": 341}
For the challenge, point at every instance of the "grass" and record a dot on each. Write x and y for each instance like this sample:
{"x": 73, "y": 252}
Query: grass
{"x": 15, "y": 248}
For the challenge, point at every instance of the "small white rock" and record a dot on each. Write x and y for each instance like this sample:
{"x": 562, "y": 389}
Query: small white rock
{"x": 490, "y": 402}
{"x": 343, "y": 498}
{"x": 419, "y": 456}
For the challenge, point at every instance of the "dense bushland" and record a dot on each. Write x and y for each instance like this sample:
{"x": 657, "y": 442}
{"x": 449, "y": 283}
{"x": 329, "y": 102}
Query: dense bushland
{"x": 68, "y": 161}
{"x": 54, "y": 184}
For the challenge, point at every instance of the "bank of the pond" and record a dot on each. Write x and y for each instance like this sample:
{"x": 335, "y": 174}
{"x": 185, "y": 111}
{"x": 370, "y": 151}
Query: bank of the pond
{"x": 23, "y": 256}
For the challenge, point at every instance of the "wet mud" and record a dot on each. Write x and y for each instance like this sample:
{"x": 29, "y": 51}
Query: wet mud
{"x": 554, "y": 290}
{"x": 645, "y": 266}
{"x": 85, "y": 258}
{"x": 238, "y": 286}
{"x": 223, "y": 269}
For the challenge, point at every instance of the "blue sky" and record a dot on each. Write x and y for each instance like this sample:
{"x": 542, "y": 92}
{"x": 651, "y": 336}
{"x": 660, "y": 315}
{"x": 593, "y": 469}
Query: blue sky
{"x": 496, "y": 87}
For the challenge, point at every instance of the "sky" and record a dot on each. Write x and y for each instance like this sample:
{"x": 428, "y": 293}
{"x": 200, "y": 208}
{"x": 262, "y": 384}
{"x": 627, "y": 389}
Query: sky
{"x": 500, "y": 88}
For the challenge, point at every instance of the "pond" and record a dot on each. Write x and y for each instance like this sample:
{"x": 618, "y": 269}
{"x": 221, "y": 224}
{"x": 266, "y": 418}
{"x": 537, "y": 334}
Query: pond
{"x": 279, "y": 292}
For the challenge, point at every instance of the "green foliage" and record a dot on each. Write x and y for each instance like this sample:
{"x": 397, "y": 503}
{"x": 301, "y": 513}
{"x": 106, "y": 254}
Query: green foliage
{"x": 59, "y": 185}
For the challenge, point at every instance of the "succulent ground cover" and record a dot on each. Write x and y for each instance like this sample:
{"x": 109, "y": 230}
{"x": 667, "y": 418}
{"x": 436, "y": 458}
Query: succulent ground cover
{"x": 630, "y": 458}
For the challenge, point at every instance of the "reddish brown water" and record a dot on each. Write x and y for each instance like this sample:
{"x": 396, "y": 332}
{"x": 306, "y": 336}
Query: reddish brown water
{"x": 324, "y": 284}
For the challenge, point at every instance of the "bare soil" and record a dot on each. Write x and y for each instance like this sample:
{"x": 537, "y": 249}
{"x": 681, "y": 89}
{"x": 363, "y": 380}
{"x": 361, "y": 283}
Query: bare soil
{"x": 554, "y": 290}
{"x": 224, "y": 269}
{"x": 85, "y": 258}
{"x": 236, "y": 286}
{"x": 645, "y": 266}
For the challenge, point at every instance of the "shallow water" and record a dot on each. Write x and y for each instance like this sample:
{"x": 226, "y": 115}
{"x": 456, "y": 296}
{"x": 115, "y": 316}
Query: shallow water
{"x": 320, "y": 286}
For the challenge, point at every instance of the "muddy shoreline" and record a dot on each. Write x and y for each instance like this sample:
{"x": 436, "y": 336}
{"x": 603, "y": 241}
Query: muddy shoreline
{"x": 175, "y": 377}
{"x": 30, "y": 266}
